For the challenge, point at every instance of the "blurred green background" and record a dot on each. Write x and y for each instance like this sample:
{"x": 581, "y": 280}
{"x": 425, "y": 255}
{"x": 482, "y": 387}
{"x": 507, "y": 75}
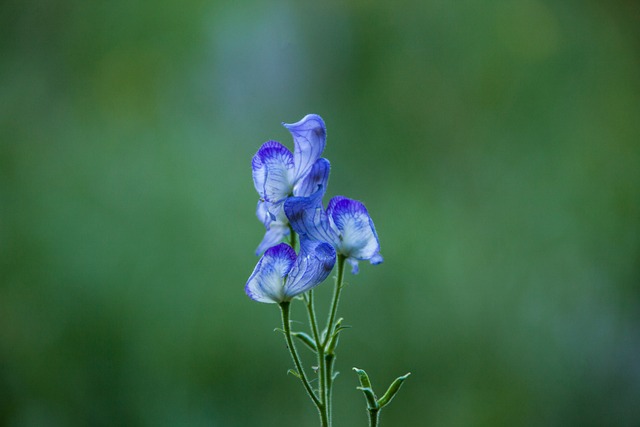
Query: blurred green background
{"x": 495, "y": 143}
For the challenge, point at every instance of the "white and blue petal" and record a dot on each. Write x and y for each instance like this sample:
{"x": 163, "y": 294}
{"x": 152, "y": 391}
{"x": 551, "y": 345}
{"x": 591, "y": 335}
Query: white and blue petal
{"x": 313, "y": 265}
{"x": 308, "y": 218}
{"x": 276, "y": 224}
{"x": 309, "y": 137}
{"x": 273, "y": 167}
{"x": 266, "y": 283}
{"x": 376, "y": 259}
{"x": 274, "y": 235}
{"x": 357, "y": 234}
{"x": 318, "y": 177}
{"x": 262, "y": 212}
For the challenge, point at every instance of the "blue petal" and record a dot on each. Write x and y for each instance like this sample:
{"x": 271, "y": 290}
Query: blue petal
{"x": 273, "y": 167}
{"x": 376, "y": 259}
{"x": 308, "y": 218}
{"x": 266, "y": 283}
{"x": 273, "y": 236}
{"x": 309, "y": 136}
{"x": 262, "y": 212}
{"x": 354, "y": 265}
{"x": 315, "y": 262}
{"x": 317, "y": 176}
{"x": 358, "y": 237}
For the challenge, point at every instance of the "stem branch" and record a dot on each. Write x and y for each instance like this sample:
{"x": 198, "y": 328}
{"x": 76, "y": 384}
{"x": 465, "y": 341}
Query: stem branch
{"x": 285, "y": 309}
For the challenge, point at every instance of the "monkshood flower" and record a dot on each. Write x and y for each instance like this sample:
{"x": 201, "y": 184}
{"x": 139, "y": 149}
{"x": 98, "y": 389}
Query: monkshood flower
{"x": 279, "y": 174}
{"x": 280, "y": 274}
{"x": 345, "y": 224}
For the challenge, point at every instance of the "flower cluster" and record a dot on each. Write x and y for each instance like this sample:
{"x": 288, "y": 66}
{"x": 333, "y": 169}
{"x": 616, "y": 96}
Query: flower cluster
{"x": 291, "y": 187}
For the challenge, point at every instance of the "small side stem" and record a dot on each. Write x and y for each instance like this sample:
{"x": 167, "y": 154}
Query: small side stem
{"x": 285, "y": 309}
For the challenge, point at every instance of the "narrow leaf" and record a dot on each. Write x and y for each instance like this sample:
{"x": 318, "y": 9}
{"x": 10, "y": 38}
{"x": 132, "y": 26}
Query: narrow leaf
{"x": 393, "y": 389}
{"x": 333, "y": 342}
{"x": 294, "y": 373}
{"x": 364, "y": 378}
{"x": 306, "y": 340}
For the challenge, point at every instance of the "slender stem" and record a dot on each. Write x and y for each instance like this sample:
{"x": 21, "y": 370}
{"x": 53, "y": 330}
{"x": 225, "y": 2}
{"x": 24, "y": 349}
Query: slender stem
{"x": 312, "y": 316}
{"x": 330, "y": 358}
{"x": 285, "y": 309}
{"x": 321, "y": 357}
{"x": 374, "y": 415}
{"x": 336, "y": 299}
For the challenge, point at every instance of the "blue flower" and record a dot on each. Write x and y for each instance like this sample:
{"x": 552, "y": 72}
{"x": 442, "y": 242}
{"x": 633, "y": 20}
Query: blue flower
{"x": 280, "y": 275}
{"x": 279, "y": 174}
{"x": 345, "y": 224}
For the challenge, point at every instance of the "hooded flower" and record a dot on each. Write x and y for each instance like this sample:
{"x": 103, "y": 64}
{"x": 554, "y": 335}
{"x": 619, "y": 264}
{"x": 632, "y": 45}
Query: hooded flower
{"x": 345, "y": 224}
{"x": 279, "y": 174}
{"x": 280, "y": 274}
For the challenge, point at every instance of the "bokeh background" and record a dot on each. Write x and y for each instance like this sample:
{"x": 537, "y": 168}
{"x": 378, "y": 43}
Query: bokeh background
{"x": 495, "y": 143}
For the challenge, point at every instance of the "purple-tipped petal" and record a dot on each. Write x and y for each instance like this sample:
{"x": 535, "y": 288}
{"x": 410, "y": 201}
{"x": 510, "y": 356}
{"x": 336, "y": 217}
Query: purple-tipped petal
{"x": 317, "y": 177}
{"x": 266, "y": 283}
{"x": 376, "y": 259}
{"x": 315, "y": 262}
{"x": 358, "y": 237}
{"x": 309, "y": 136}
{"x": 274, "y": 235}
{"x": 273, "y": 167}
{"x": 308, "y": 218}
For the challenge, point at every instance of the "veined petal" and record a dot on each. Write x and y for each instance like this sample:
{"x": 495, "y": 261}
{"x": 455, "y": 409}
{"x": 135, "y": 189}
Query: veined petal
{"x": 308, "y": 218}
{"x": 309, "y": 137}
{"x": 262, "y": 212}
{"x": 315, "y": 262}
{"x": 358, "y": 237}
{"x": 273, "y": 167}
{"x": 266, "y": 283}
{"x": 274, "y": 235}
{"x": 317, "y": 176}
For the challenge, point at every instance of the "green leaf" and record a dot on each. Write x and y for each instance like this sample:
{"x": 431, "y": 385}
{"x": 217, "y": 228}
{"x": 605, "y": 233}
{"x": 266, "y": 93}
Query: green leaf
{"x": 333, "y": 342}
{"x": 392, "y": 390}
{"x": 306, "y": 340}
{"x": 294, "y": 373}
{"x": 364, "y": 378}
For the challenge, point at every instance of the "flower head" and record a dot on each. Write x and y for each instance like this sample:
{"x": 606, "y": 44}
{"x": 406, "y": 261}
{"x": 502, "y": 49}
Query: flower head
{"x": 279, "y": 174}
{"x": 345, "y": 224}
{"x": 281, "y": 274}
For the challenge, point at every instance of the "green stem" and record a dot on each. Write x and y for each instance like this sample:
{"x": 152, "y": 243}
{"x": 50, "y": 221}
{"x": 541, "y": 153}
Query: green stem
{"x": 320, "y": 351}
{"x": 285, "y": 309}
{"x": 374, "y": 415}
{"x": 292, "y": 238}
{"x": 329, "y": 358}
{"x": 336, "y": 299}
